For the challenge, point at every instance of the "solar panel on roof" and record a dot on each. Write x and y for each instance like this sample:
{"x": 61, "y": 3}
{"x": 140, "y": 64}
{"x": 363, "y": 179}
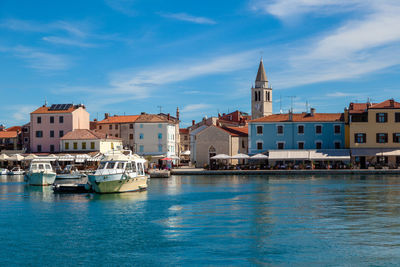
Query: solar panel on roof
{"x": 60, "y": 106}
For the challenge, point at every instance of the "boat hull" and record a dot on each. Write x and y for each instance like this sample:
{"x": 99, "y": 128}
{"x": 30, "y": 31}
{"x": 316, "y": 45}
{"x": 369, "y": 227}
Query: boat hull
{"x": 42, "y": 179}
{"x": 102, "y": 184}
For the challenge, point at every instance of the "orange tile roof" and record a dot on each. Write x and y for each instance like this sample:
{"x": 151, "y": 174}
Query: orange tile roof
{"x": 8, "y": 134}
{"x": 120, "y": 119}
{"x": 302, "y": 117}
{"x": 45, "y": 110}
{"x": 153, "y": 118}
{"x": 390, "y": 103}
{"x": 233, "y": 131}
{"x": 85, "y": 134}
{"x": 184, "y": 131}
{"x": 14, "y": 128}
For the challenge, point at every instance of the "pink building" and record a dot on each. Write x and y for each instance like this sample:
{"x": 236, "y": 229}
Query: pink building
{"x": 49, "y": 124}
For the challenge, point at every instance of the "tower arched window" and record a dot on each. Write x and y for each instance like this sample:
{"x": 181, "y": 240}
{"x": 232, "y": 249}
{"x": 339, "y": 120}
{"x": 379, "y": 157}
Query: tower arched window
{"x": 259, "y": 95}
{"x": 255, "y": 95}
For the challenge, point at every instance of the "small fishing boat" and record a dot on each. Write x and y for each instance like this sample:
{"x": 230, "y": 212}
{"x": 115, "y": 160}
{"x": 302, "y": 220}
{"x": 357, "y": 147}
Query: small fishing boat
{"x": 41, "y": 173}
{"x": 3, "y": 171}
{"x": 16, "y": 171}
{"x": 70, "y": 172}
{"x": 119, "y": 171}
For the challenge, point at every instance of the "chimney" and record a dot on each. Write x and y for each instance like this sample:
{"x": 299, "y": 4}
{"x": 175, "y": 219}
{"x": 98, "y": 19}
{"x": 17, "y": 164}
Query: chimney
{"x": 168, "y": 117}
{"x": 391, "y": 103}
{"x": 95, "y": 120}
{"x": 290, "y": 115}
{"x": 106, "y": 115}
{"x": 312, "y": 111}
{"x": 177, "y": 113}
{"x": 193, "y": 122}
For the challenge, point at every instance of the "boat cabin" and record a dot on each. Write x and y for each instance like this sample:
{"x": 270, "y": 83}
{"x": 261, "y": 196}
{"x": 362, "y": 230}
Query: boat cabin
{"x": 120, "y": 166}
{"x": 40, "y": 166}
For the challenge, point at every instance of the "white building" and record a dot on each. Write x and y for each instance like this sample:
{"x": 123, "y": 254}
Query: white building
{"x": 156, "y": 135}
{"x": 83, "y": 140}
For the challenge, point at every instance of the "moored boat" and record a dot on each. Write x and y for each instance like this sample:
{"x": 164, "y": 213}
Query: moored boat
{"x": 70, "y": 172}
{"x": 3, "y": 171}
{"x": 16, "y": 171}
{"x": 41, "y": 173}
{"x": 119, "y": 172}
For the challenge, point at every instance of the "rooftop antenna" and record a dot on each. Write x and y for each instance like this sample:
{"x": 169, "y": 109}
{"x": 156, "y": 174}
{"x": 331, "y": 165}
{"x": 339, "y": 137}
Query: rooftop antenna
{"x": 45, "y": 101}
{"x": 160, "y": 107}
{"x": 291, "y": 102}
{"x": 306, "y": 106}
{"x": 280, "y": 104}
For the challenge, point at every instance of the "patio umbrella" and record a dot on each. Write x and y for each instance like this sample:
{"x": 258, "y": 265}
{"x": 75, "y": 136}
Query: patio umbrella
{"x": 174, "y": 157}
{"x": 4, "y": 157}
{"x": 240, "y": 156}
{"x": 16, "y": 157}
{"x": 221, "y": 156}
{"x": 186, "y": 153}
{"x": 166, "y": 159}
{"x": 259, "y": 156}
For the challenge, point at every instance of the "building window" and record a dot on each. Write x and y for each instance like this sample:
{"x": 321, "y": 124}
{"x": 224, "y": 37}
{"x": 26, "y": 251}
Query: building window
{"x": 259, "y": 145}
{"x": 360, "y": 138}
{"x": 279, "y": 129}
{"x": 131, "y": 126}
{"x": 39, "y": 120}
{"x": 84, "y": 145}
{"x": 116, "y": 126}
{"x": 61, "y": 119}
{"x": 186, "y": 147}
{"x": 396, "y": 137}
{"x": 337, "y": 145}
{"x": 159, "y": 135}
{"x": 381, "y": 117}
{"x": 75, "y": 145}
{"x": 116, "y": 135}
{"x": 100, "y": 127}
{"x": 243, "y": 144}
{"x": 26, "y": 140}
{"x": 39, "y": 134}
{"x": 141, "y": 136}
{"x": 300, "y": 129}
{"x": 51, "y": 133}
{"x": 51, "y": 119}
{"x": 337, "y": 129}
{"x": 39, "y": 148}
{"x": 185, "y": 138}
{"x": 280, "y": 145}
{"x": 318, "y": 145}
{"x": 66, "y": 145}
{"x": 91, "y": 145}
{"x": 51, "y": 148}
{"x": 159, "y": 148}
{"x": 25, "y": 129}
{"x": 397, "y": 117}
{"x": 61, "y": 133}
{"x": 110, "y": 127}
{"x": 381, "y": 138}
{"x": 141, "y": 148}
{"x": 300, "y": 145}
{"x": 259, "y": 129}
{"x": 318, "y": 129}
{"x": 130, "y": 136}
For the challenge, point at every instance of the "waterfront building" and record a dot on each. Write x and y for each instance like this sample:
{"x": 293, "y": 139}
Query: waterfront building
{"x": 145, "y": 134}
{"x": 212, "y": 140}
{"x": 155, "y": 135}
{"x": 10, "y": 139}
{"x": 184, "y": 144}
{"x": 374, "y": 133}
{"x": 297, "y": 131}
{"x": 261, "y": 95}
{"x": 85, "y": 140}
{"x": 49, "y": 124}
{"x": 26, "y": 137}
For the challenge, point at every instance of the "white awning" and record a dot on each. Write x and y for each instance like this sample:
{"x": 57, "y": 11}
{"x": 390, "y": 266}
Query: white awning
{"x": 16, "y": 157}
{"x": 330, "y": 154}
{"x": 240, "y": 156}
{"x": 186, "y": 153}
{"x": 359, "y": 152}
{"x": 289, "y": 154}
{"x": 259, "y": 156}
{"x": 221, "y": 156}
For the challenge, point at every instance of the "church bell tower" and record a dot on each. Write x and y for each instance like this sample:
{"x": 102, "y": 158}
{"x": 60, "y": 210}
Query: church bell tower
{"x": 261, "y": 95}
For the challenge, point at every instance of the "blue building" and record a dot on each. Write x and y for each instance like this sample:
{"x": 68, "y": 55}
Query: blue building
{"x": 317, "y": 131}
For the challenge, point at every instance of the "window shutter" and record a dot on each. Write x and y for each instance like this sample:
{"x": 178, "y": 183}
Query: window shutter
{"x": 377, "y": 117}
{"x": 377, "y": 138}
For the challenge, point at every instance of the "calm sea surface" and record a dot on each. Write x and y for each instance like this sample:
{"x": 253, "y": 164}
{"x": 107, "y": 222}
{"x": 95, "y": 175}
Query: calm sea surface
{"x": 206, "y": 220}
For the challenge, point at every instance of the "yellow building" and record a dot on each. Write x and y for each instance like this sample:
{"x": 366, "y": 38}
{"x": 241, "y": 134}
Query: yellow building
{"x": 374, "y": 133}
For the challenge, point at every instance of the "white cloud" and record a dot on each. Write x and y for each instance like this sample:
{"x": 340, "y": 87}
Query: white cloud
{"x": 188, "y": 18}
{"x": 41, "y": 61}
{"x": 66, "y": 41}
{"x": 123, "y": 6}
{"x": 195, "y": 107}
{"x": 340, "y": 94}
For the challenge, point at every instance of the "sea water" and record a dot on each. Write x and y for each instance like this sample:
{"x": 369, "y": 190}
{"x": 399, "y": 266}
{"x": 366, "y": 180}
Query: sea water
{"x": 206, "y": 220}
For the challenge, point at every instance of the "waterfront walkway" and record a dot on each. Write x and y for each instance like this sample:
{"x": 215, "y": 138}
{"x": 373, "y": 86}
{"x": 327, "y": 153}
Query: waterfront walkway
{"x": 200, "y": 171}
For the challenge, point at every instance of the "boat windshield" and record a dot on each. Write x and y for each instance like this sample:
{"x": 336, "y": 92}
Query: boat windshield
{"x": 102, "y": 165}
{"x": 41, "y": 167}
{"x": 110, "y": 165}
{"x": 34, "y": 167}
{"x": 48, "y": 167}
{"x": 120, "y": 165}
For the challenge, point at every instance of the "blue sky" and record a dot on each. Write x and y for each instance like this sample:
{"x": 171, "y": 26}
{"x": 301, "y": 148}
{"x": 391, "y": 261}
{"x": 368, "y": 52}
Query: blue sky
{"x": 129, "y": 56}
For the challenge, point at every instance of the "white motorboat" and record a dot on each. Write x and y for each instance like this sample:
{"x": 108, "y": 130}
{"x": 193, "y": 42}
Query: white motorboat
{"x": 119, "y": 171}
{"x": 3, "y": 171}
{"x": 16, "y": 171}
{"x": 70, "y": 172}
{"x": 41, "y": 173}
